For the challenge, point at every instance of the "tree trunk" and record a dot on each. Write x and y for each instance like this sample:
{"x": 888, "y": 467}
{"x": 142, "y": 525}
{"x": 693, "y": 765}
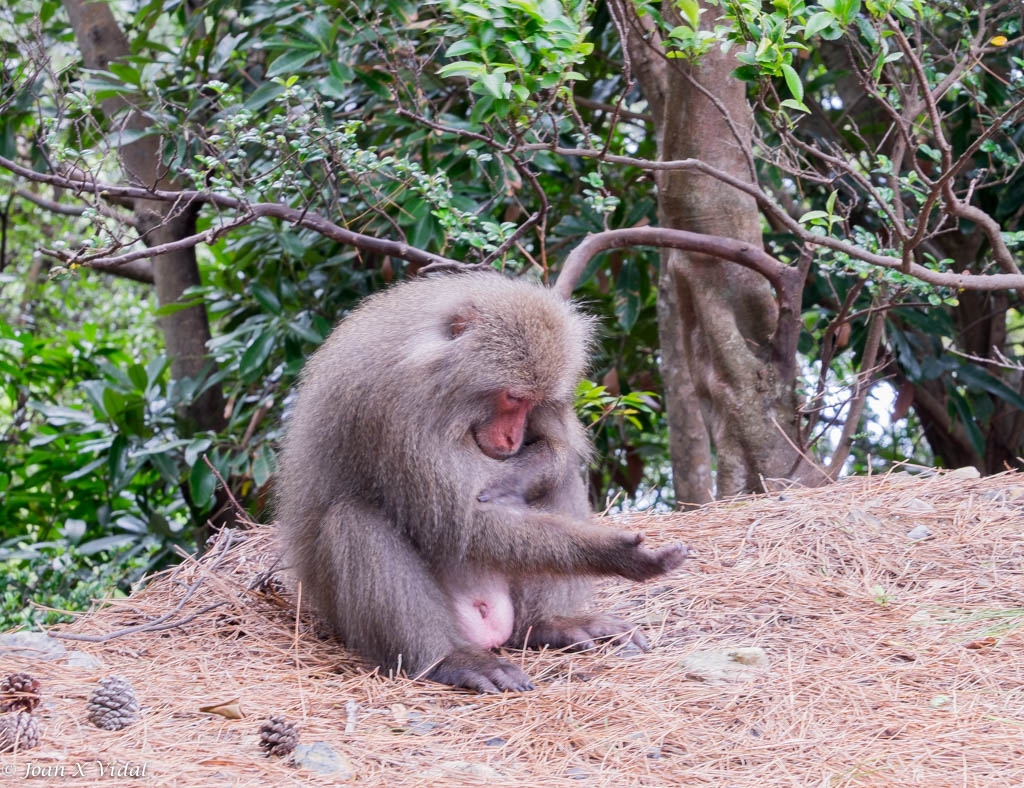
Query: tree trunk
{"x": 186, "y": 331}
{"x": 727, "y": 396}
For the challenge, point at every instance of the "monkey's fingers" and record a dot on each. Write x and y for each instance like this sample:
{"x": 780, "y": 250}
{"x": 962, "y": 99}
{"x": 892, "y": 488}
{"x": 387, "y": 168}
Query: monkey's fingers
{"x": 581, "y": 633}
{"x": 673, "y": 555}
{"x": 617, "y": 631}
{"x": 646, "y": 563}
{"x": 577, "y": 639}
{"x": 500, "y": 498}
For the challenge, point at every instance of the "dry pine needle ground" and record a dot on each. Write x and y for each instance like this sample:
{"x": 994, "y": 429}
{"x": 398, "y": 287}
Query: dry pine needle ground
{"x": 887, "y": 661}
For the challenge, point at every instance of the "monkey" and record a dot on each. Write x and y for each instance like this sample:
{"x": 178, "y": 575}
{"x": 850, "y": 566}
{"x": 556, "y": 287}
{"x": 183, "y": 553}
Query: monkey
{"x": 427, "y": 397}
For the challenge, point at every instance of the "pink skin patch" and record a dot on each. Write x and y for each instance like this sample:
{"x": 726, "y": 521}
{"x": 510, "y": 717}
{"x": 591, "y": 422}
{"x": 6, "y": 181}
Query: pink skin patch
{"x": 483, "y": 607}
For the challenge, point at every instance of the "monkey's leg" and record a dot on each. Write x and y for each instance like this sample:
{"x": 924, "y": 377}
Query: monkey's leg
{"x": 548, "y": 614}
{"x": 388, "y": 605}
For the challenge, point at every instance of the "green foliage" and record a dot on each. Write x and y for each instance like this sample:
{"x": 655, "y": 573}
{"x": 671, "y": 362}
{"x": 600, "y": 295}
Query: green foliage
{"x": 47, "y": 581}
{"x": 513, "y": 52}
{"x": 76, "y": 520}
{"x": 88, "y": 442}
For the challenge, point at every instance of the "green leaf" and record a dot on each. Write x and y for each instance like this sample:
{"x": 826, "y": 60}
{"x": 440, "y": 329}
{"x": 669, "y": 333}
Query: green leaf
{"x": 302, "y": 331}
{"x": 201, "y": 484}
{"x": 793, "y": 82}
{"x": 58, "y": 416}
{"x": 332, "y": 87}
{"x": 461, "y": 68}
{"x": 267, "y": 298}
{"x": 125, "y": 72}
{"x": 263, "y": 95}
{"x": 794, "y": 104}
{"x": 137, "y": 375}
{"x": 628, "y": 300}
{"x": 263, "y": 465}
{"x": 256, "y": 355}
{"x": 195, "y": 449}
{"x": 963, "y": 409}
{"x": 155, "y": 370}
{"x": 117, "y": 461}
{"x": 981, "y": 379}
{"x": 493, "y": 83}
{"x": 690, "y": 9}
{"x": 105, "y": 543}
{"x": 290, "y": 62}
{"x": 818, "y": 22}
{"x": 462, "y": 48}
{"x": 122, "y": 137}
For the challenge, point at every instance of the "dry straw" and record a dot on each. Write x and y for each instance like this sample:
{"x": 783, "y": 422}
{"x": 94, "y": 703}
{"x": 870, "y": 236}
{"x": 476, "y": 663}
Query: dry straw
{"x": 889, "y": 661}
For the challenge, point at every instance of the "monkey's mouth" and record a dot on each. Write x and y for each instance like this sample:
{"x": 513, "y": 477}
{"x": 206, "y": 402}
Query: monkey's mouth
{"x": 494, "y": 452}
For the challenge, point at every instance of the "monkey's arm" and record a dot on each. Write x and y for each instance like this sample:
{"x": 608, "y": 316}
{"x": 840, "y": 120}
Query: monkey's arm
{"x": 526, "y": 541}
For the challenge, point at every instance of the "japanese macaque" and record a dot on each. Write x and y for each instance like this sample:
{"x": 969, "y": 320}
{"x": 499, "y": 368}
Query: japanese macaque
{"x": 430, "y": 490}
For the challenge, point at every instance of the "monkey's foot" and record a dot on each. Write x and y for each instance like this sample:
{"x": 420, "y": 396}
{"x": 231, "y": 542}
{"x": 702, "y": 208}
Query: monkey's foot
{"x": 480, "y": 671}
{"x": 579, "y": 633}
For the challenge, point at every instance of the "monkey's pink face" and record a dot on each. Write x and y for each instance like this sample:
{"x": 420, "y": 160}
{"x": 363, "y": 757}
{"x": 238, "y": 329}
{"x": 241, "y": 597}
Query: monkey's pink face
{"x": 502, "y": 435}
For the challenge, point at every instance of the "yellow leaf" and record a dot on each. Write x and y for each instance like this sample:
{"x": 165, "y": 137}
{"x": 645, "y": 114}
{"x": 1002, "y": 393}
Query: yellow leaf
{"x": 999, "y": 41}
{"x": 231, "y": 709}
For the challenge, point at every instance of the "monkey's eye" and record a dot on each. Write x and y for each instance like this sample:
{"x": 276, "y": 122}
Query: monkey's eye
{"x": 510, "y": 403}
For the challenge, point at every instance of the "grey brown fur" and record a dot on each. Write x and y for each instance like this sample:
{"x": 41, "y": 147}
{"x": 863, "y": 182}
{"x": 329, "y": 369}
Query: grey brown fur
{"x": 381, "y": 480}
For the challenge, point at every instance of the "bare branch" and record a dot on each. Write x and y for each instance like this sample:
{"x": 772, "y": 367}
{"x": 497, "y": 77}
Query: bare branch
{"x": 249, "y": 211}
{"x": 959, "y": 281}
{"x": 75, "y": 210}
{"x": 784, "y": 279}
{"x": 113, "y": 263}
{"x": 861, "y": 389}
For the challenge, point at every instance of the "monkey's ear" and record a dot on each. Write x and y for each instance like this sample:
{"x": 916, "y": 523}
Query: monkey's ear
{"x": 462, "y": 321}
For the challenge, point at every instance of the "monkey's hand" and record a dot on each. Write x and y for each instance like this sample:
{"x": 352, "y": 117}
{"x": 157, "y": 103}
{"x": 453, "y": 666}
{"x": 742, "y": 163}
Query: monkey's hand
{"x": 503, "y": 496}
{"x": 633, "y": 560}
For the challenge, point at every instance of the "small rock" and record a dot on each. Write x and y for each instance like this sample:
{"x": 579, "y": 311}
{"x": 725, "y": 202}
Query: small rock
{"x": 919, "y": 506}
{"x": 1003, "y": 496}
{"x": 966, "y": 472}
{"x": 321, "y": 758}
{"x": 35, "y": 645}
{"x": 919, "y": 532}
{"x": 79, "y": 659}
{"x": 725, "y": 665}
{"x": 864, "y": 519}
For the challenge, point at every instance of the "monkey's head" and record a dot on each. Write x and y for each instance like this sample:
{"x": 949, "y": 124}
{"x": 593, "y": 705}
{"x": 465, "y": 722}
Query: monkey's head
{"x": 511, "y": 347}
{"x": 473, "y": 360}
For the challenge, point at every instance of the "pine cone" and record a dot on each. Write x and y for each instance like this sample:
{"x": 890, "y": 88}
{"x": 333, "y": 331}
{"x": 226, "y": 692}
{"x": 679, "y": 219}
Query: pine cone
{"x": 278, "y": 736}
{"x": 19, "y": 692}
{"x": 18, "y": 730}
{"x": 112, "y": 705}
